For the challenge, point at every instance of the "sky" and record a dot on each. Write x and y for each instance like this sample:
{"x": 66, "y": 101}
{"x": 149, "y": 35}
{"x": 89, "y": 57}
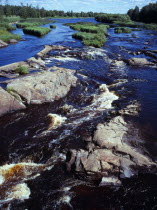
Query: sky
{"x": 108, "y": 6}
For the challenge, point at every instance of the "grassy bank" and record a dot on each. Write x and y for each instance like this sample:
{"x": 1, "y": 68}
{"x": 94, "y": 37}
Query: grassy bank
{"x": 151, "y": 26}
{"x": 119, "y": 30}
{"x": 31, "y": 22}
{"x": 36, "y": 31}
{"x": 111, "y": 18}
{"x": 6, "y": 36}
{"x": 90, "y": 34}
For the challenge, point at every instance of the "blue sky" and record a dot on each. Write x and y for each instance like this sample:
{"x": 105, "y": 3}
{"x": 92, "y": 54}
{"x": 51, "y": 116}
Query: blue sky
{"x": 109, "y": 6}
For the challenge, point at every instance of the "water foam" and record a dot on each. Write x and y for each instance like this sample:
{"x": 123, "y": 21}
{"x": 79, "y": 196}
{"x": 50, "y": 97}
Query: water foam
{"x": 55, "y": 120}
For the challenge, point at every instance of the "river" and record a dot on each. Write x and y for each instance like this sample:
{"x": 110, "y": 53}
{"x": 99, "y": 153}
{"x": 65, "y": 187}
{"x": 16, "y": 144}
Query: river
{"x": 48, "y": 184}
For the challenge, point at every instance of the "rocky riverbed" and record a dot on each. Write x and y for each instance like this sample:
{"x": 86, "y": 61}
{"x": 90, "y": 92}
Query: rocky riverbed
{"x": 71, "y": 132}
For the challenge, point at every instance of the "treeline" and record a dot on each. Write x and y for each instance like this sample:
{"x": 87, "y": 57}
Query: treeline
{"x": 35, "y": 12}
{"x": 147, "y": 14}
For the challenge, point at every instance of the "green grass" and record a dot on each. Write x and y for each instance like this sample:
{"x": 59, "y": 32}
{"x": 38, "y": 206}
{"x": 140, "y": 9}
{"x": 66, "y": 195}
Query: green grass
{"x": 119, "y": 30}
{"x": 111, "y": 18}
{"x": 90, "y": 39}
{"x": 11, "y": 19}
{"x": 36, "y": 31}
{"x": 22, "y": 70}
{"x": 90, "y": 34}
{"x": 27, "y": 24}
{"x": 52, "y": 26}
{"x": 7, "y": 26}
{"x": 150, "y": 26}
{"x": 6, "y": 36}
{"x": 33, "y": 22}
{"x": 127, "y": 24}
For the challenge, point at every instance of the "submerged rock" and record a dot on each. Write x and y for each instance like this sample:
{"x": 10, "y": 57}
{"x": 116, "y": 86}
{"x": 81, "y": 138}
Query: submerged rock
{"x": 108, "y": 155}
{"x": 138, "y": 62}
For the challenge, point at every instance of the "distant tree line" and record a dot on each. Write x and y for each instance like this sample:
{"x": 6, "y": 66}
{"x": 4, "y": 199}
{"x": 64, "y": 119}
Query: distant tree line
{"x": 29, "y": 11}
{"x": 148, "y": 13}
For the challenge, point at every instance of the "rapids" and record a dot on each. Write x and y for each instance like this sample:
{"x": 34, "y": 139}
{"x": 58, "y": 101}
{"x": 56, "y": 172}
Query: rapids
{"x": 35, "y": 141}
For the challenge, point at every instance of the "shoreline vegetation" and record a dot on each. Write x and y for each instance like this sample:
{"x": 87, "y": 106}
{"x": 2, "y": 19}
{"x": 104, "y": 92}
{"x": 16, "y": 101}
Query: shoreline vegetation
{"x": 90, "y": 34}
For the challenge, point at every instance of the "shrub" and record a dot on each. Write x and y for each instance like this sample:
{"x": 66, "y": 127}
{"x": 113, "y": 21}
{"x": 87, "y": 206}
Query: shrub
{"x": 22, "y": 70}
{"x": 127, "y": 24}
{"x": 122, "y": 30}
{"x": 52, "y": 26}
{"x": 36, "y": 31}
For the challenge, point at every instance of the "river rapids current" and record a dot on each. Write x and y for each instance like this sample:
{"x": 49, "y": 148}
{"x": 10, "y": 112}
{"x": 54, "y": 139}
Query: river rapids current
{"x": 35, "y": 142}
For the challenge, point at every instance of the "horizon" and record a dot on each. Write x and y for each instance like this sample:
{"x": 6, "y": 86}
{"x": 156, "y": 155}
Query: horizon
{"x": 104, "y": 6}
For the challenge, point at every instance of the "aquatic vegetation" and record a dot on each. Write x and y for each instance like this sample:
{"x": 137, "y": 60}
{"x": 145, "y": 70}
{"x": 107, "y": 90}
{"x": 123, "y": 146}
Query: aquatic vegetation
{"x": 127, "y": 24}
{"x": 91, "y": 34}
{"x": 52, "y": 26}
{"x": 22, "y": 70}
{"x": 36, "y": 31}
{"x": 7, "y": 26}
{"x": 90, "y": 39}
{"x": 150, "y": 26}
{"x": 33, "y": 22}
{"x": 6, "y": 36}
{"x": 119, "y": 30}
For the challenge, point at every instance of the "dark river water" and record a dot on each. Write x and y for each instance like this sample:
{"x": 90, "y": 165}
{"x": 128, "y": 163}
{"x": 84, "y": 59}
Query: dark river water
{"x": 20, "y": 132}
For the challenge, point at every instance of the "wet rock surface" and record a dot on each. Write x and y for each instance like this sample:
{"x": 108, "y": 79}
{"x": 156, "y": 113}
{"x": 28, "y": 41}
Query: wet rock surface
{"x": 138, "y": 62}
{"x": 110, "y": 154}
{"x": 3, "y": 44}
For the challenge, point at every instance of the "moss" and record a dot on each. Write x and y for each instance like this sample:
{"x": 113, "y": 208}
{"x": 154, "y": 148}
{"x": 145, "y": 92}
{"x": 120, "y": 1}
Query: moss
{"x": 119, "y": 30}
{"x": 36, "y": 31}
{"x": 22, "y": 70}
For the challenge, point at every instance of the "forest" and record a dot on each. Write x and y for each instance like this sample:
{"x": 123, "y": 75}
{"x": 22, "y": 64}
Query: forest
{"x": 36, "y": 12}
{"x": 147, "y": 14}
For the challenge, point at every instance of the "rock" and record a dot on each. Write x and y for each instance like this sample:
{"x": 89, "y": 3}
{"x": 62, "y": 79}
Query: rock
{"x": 108, "y": 155}
{"x": 13, "y": 41}
{"x": 11, "y": 67}
{"x": 146, "y": 43}
{"x": 35, "y": 63}
{"x": 132, "y": 109}
{"x": 138, "y": 62}
{"x": 8, "y": 103}
{"x": 49, "y": 48}
{"x": 43, "y": 87}
{"x": 3, "y": 44}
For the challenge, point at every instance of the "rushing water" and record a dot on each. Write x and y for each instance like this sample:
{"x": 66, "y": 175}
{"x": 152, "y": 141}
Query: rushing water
{"x": 32, "y": 172}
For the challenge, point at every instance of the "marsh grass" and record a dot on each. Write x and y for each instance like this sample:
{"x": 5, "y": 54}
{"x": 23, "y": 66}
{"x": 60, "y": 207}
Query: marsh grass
{"x": 151, "y": 26}
{"x": 119, "y": 30}
{"x": 90, "y": 34}
{"x": 6, "y": 36}
{"x": 36, "y": 31}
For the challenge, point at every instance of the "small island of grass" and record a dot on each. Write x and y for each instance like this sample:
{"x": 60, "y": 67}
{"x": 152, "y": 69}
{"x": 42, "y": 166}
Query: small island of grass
{"x": 90, "y": 34}
{"x": 119, "y": 30}
{"x": 36, "y": 31}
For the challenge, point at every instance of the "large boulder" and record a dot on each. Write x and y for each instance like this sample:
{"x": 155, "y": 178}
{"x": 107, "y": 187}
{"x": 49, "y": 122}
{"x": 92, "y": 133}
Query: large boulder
{"x": 42, "y": 87}
{"x": 8, "y": 103}
{"x": 109, "y": 154}
{"x": 138, "y": 62}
